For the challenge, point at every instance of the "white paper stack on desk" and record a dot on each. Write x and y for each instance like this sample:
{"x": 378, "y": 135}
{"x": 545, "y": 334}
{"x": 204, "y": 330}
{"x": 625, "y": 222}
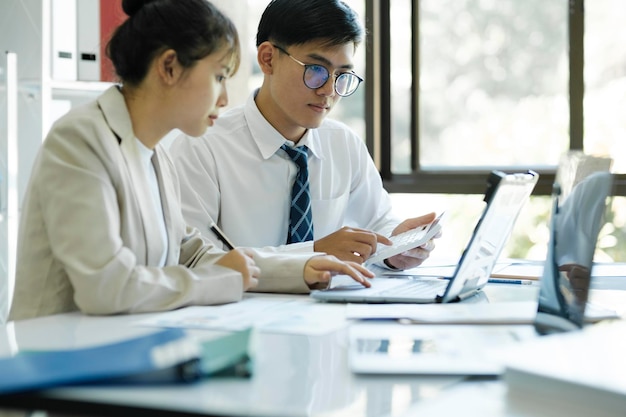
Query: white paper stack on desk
{"x": 580, "y": 373}
{"x": 514, "y": 312}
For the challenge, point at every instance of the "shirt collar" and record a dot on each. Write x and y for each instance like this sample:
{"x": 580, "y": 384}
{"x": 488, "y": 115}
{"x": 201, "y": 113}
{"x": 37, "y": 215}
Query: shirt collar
{"x": 268, "y": 139}
{"x": 145, "y": 153}
{"x": 115, "y": 112}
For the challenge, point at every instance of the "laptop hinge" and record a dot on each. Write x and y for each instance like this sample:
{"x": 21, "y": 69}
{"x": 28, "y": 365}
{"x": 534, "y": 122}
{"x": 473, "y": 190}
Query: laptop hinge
{"x": 467, "y": 295}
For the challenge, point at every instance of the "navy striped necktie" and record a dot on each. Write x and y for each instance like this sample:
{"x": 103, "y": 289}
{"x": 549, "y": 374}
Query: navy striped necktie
{"x": 300, "y": 215}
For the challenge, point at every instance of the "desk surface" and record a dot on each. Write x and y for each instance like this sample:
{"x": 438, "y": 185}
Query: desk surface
{"x": 294, "y": 375}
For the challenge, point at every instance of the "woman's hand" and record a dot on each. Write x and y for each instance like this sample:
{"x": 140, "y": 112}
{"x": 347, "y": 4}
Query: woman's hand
{"x": 241, "y": 261}
{"x": 320, "y": 269}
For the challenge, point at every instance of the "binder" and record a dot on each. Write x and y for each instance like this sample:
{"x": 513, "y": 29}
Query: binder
{"x": 88, "y": 34}
{"x": 227, "y": 355}
{"x": 166, "y": 355}
{"x": 64, "y": 64}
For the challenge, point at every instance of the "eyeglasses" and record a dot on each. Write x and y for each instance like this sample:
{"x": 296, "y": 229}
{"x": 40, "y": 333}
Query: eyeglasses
{"x": 315, "y": 76}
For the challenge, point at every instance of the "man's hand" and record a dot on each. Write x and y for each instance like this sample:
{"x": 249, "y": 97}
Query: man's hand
{"x": 241, "y": 261}
{"x": 414, "y": 257}
{"x": 320, "y": 269}
{"x": 351, "y": 244}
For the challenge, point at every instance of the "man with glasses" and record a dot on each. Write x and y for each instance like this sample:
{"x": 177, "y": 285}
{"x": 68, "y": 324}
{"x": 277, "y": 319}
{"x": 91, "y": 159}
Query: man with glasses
{"x": 276, "y": 172}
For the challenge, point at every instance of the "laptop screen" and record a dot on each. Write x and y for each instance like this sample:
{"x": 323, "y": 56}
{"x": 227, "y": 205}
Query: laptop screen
{"x": 575, "y": 223}
{"x": 491, "y": 231}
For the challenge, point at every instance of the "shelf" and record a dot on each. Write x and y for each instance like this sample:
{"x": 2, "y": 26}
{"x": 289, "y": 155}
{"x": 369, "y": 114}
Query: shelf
{"x": 80, "y": 86}
{"x": 62, "y": 88}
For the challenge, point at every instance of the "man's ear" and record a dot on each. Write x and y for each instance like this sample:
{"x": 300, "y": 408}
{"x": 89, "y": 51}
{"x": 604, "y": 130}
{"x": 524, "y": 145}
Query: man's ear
{"x": 265, "y": 55}
{"x": 168, "y": 67}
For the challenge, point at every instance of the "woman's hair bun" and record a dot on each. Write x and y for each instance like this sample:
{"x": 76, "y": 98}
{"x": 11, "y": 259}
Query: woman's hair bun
{"x": 131, "y": 7}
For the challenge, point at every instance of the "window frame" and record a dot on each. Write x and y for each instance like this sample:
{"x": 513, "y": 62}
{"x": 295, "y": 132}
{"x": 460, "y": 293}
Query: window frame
{"x": 451, "y": 180}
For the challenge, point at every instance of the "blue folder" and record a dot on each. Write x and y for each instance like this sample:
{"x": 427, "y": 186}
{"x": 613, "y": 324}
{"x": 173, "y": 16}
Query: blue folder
{"x": 163, "y": 355}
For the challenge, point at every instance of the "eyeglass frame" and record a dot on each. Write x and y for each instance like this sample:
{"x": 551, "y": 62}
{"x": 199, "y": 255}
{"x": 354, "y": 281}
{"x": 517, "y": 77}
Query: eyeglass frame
{"x": 336, "y": 77}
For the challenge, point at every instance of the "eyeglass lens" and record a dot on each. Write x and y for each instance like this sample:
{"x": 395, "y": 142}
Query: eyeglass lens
{"x": 346, "y": 84}
{"x": 316, "y": 76}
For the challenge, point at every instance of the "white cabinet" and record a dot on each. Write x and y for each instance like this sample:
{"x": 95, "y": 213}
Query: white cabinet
{"x": 25, "y": 30}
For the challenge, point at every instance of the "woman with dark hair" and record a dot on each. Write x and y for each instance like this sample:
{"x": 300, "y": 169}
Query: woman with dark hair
{"x": 101, "y": 229}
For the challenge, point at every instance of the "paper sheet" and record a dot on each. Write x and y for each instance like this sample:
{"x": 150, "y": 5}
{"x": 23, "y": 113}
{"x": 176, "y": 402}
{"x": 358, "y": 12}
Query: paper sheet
{"x": 522, "y": 312}
{"x": 272, "y": 314}
{"x": 458, "y": 313}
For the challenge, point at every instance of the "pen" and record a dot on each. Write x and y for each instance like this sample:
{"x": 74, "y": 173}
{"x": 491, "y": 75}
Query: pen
{"x": 221, "y": 236}
{"x": 510, "y": 281}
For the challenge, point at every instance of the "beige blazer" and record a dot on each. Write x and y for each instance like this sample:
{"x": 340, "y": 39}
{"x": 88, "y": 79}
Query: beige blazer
{"x": 88, "y": 238}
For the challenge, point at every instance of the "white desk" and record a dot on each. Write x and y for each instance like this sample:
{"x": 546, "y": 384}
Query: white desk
{"x": 294, "y": 375}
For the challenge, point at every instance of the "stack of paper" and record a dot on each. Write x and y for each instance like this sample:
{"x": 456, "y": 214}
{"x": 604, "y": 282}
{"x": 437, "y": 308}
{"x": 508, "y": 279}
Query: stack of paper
{"x": 579, "y": 373}
{"x": 520, "y": 312}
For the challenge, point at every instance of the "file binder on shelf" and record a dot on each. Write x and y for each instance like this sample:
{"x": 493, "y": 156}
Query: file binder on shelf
{"x": 64, "y": 64}
{"x": 88, "y": 36}
{"x": 96, "y": 21}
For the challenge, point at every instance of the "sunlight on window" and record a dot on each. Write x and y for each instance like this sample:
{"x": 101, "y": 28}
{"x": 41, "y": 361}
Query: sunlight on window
{"x": 493, "y": 83}
{"x": 605, "y": 80}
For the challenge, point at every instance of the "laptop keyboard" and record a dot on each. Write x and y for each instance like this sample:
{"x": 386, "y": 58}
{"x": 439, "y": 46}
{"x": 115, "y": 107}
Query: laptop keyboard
{"x": 417, "y": 288}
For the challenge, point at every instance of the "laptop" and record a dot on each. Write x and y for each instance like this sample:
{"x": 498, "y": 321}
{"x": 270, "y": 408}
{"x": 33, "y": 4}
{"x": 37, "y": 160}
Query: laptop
{"x": 384, "y": 347}
{"x": 505, "y": 196}
{"x": 576, "y": 222}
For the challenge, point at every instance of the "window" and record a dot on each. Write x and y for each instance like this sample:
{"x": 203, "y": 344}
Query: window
{"x": 478, "y": 84}
{"x": 605, "y": 80}
{"x": 474, "y": 85}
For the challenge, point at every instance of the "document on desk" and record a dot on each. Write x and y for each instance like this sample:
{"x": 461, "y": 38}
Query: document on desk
{"x": 507, "y": 269}
{"x": 511, "y": 269}
{"x": 275, "y": 314}
{"x": 395, "y": 349}
{"x": 443, "y": 271}
{"x": 609, "y": 269}
{"x": 457, "y": 313}
{"x": 518, "y": 270}
{"x": 579, "y": 373}
{"x": 521, "y": 312}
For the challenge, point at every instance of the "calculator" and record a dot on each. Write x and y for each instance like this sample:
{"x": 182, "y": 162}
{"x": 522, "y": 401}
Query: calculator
{"x": 406, "y": 240}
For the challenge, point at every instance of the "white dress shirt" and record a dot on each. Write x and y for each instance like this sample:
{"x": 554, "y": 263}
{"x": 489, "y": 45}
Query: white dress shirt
{"x": 146, "y": 155}
{"x": 237, "y": 175}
